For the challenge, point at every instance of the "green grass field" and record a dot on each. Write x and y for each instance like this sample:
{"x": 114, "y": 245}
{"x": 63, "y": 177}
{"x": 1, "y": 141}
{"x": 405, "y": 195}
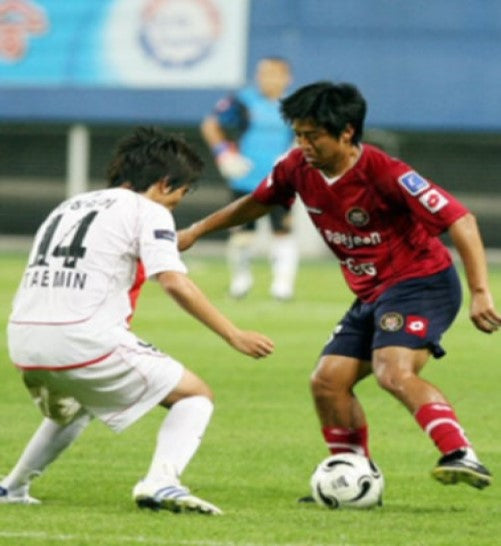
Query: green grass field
{"x": 264, "y": 439}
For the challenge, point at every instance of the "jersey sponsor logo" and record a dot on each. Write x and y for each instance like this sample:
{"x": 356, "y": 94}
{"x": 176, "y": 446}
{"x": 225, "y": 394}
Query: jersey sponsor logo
{"x": 413, "y": 183}
{"x": 391, "y": 322}
{"x": 417, "y": 326}
{"x": 433, "y": 200}
{"x": 166, "y": 234}
{"x": 359, "y": 268}
{"x": 357, "y": 216}
{"x": 349, "y": 240}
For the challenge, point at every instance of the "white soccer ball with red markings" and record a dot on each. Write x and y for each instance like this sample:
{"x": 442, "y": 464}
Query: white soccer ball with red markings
{"x": 347, "y": 480}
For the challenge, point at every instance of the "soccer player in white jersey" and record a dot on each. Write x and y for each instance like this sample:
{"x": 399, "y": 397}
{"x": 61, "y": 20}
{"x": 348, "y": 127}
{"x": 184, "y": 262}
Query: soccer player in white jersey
{"x": 69, "y": 334}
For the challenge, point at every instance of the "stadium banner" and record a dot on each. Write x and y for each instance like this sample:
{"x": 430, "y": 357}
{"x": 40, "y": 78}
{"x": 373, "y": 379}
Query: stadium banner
{"x": 123, "y": 43}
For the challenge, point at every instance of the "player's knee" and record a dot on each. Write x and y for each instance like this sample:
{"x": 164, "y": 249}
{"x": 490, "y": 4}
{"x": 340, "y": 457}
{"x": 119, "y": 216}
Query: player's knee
{"x": 323, "y": 385}
{"x": 190, "y": 385}
{"x": 207, "y": 392}
{"x": 200, "y": 388}
{"x": 390, "y": 378}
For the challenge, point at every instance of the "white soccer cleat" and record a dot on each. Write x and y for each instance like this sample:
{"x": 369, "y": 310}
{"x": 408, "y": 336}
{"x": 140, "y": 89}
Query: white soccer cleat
{"x": 174, "y": 497}
{"x": 18, "y": 496}
{"x": 241, "y": 285}
{"x": 281, "y": 291}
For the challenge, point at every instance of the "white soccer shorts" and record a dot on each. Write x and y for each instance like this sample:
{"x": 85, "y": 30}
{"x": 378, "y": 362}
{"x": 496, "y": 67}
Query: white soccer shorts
{"x": 118, "y": 390}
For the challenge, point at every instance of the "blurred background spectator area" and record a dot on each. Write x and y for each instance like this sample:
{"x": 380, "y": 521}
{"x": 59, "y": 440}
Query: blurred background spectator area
{"x": 74, "y": 76}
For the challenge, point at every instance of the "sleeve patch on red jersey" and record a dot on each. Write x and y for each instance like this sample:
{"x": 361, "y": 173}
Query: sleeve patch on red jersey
{"x": 433, "y": 200}
{"x": 413, "y": 183}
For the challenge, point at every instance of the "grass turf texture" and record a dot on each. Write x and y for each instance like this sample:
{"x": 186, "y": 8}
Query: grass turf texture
{"x": 264, "y": 440}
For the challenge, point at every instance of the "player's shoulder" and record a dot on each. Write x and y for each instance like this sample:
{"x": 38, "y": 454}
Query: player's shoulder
{"x": 237, "y": 99}
{"x": 94, "y": 199}
{"x": 380, "y": 165}
{"x": 291, "y": 160}
{"x": 374, "y": 156}
{"x": 155, "y": 213}
{"x": 247, "y": 94}
{"x": 294, "y": 156}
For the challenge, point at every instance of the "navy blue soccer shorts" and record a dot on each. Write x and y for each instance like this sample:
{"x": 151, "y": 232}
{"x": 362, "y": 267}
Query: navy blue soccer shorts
{"x": 413, "y": 313}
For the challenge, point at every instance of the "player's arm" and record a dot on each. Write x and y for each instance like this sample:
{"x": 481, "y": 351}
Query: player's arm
{"x": 187, "y": 294}
{"x": 238, "y": 212}
{"x": 212, "y": 132}
{"x": 230, "y": 162}
{"x": 468, "y": 242}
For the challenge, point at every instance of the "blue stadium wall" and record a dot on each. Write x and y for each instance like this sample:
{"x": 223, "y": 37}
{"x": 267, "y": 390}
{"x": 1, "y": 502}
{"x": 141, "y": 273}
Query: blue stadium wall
{"x": 422, "y": 64}
{"x": 430, "y": 70}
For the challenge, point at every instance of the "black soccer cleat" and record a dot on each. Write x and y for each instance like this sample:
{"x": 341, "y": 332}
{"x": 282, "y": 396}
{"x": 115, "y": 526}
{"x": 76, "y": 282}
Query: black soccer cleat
{"x": 455, "y": 467}
{"x": 306, "y": 499}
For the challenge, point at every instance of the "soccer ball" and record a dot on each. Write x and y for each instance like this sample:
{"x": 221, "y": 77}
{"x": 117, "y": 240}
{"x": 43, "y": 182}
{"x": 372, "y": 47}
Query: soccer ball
{"x": 347, "y": 480}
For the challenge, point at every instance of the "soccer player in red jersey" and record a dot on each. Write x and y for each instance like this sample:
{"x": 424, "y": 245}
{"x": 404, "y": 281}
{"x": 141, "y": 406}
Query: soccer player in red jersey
{"x": 382, "y": 220}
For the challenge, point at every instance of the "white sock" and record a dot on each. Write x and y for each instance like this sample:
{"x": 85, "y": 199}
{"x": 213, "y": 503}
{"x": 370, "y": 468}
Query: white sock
{"x": 45, "y": 446}
{"x": 284, "y": 257}
{"x": 240, "y": 250}
{"x": 179, "y": 436}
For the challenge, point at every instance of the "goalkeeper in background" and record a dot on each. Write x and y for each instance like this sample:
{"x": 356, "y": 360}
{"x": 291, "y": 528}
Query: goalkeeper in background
{"x": 247, "y": 135}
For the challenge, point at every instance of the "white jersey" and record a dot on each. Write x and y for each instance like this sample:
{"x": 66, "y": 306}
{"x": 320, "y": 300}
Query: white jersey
{"x": 72, "y": 305}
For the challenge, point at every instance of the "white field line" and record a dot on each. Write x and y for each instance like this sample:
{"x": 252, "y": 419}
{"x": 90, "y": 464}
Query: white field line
{"x": 34, "y": 536}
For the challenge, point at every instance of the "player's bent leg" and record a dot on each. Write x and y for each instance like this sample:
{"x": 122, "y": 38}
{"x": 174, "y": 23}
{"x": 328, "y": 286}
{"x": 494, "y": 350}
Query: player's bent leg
{"x": 178, "y": 439}
{"x": 332, "y": 385}
{"x": 341, "y": 416}
{"x": 396, "y": 371}
{"x": 48, "y": 442}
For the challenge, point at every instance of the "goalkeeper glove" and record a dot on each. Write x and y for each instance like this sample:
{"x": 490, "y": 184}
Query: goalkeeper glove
{"x": 230, "y": 162}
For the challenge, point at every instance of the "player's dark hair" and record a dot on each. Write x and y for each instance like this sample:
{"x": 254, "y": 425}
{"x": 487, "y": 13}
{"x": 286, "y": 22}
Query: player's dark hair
{"x": 328, "y": 105}
{"x": 149, "y": 154}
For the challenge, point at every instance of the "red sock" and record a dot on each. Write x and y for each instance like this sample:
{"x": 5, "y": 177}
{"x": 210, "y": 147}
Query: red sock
{"x": 343, "y": 440}
{"x": 441, "y": 424}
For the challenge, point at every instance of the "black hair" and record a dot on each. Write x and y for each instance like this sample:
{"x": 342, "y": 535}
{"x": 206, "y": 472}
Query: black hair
{"x": 328, "y": 105}
{"x": 149, "y": 154}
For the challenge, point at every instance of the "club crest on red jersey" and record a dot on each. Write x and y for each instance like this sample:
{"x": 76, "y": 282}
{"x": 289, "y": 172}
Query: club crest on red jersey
{"x": 357, "y": 216}
{"x": 391, "y": 322}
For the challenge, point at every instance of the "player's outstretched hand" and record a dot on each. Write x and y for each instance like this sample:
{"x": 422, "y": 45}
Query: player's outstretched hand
{"x": 251, "y": 343}
{"x": 483, "y": 314}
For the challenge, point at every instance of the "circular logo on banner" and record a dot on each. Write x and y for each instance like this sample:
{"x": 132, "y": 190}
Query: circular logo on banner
{"x": 357, "y": 217}
{"x": 179, "y": 33}
{"x": 391, "y": 322}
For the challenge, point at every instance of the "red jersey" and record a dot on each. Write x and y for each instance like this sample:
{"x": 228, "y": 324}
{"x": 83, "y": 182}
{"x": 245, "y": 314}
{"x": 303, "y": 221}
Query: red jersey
{"x": 380, "y": 218}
